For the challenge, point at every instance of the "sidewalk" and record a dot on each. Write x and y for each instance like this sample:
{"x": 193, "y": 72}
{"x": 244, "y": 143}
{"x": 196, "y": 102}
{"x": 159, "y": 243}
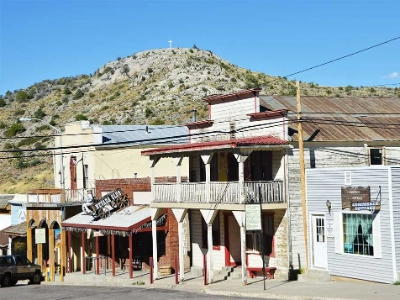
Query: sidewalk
{"x": 274, "y": 289}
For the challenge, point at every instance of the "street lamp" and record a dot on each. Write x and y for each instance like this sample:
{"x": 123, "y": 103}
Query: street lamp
{"x": 58, "y": 131}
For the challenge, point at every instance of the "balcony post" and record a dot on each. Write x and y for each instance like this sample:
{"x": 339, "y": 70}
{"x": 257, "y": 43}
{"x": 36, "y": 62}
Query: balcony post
{"x": 207, "y": 161}
{"x": 153, "y": 162}
{"x": 178, "y": 162}
{"x": 240, "y": 217}
{"x": 241, "y": 158}
{"x": 209, "y": 217}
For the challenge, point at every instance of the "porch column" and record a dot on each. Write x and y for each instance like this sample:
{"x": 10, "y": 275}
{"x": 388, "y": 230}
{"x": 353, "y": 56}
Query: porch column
{"x": 180, "y": 215}
{"x": 83, "y": 259}
{"x": 209, "y": 216}
{"x": 113, "y": 254}
{"x": 97, "y": 256}
{"x": 9, "y": 248}
{"x": 130, "y": 256}
{"x": 240, "y": 217}
{"x": 69, "y": 251}
{"x": 40, "y": 255}
{"x": 155, "y": 254}
{"x": 178, "y": 162}
{"x": 153, "y": 162}
{"x": 63, "y": 254}
{"x": 207, "y": 161}
{"x": 241, "y": 158}
{"x": 29, "y": 243}
{"x": 155, "y": 213}
{"x": 51, "y": 253}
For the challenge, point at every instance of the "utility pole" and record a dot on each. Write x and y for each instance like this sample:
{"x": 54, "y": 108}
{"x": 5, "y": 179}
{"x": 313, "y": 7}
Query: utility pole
{"x": 302, "y": 171}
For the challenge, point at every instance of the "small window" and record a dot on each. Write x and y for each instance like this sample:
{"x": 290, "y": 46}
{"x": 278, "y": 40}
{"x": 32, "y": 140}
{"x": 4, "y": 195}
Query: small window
{"x": 375, "y": 156}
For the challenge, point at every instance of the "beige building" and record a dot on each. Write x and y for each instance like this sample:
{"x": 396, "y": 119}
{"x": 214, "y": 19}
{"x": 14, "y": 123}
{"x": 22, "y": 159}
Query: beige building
{"x": 97, "y": 152}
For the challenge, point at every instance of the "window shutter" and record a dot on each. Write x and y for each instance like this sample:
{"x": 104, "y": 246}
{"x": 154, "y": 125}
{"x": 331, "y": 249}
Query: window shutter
{"x": 376, "y": 231}
{"x": 338, "y": 232}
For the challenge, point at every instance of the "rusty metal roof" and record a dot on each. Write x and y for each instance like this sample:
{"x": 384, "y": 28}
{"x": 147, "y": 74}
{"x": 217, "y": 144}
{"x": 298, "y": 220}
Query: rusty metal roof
{"x": 342, "y": 119}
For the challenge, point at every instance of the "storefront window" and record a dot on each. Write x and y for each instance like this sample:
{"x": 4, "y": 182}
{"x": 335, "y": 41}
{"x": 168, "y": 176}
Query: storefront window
{"x": 358, "y": 234}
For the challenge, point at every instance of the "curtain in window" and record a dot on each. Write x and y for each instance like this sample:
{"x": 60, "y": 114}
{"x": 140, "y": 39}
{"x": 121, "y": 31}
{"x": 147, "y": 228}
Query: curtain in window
{"x": 366, "y": 226}
{"x": 351, "y": 222}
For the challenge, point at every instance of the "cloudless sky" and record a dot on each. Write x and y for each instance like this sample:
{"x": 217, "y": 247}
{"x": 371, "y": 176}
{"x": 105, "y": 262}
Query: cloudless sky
{"x": 50, "y": 39}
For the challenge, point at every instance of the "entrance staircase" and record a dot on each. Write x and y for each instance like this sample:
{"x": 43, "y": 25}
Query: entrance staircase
{"x": 226, "y": 273}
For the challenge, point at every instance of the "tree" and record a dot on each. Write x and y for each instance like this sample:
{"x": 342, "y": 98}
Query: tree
{"x": 15, "y": 129}
{"x": 40, "y": 114}
{"x": 80, "y": 117}
{"x": 125, "y": 69}
{"x": 22, "y": 96}
{"x": 2, "y": 102}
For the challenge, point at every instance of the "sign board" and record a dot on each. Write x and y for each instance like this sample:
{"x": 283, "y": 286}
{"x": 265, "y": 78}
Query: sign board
{"x": 330, "y": 232}
{"x": 40, "y": 235}
{"x": 357, "y": 198}
{"x": 253, "y": 217}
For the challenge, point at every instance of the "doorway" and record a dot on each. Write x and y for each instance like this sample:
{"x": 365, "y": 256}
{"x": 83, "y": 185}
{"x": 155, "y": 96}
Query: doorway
{"x": 320, "y": 254}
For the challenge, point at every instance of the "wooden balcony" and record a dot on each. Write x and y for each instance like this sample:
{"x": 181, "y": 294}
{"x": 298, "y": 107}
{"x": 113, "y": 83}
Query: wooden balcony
{"x": 230, "y": 192}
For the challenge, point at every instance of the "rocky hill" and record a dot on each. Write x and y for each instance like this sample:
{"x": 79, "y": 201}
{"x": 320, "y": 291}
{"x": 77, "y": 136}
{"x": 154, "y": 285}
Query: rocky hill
{"x": 152, "y": 87}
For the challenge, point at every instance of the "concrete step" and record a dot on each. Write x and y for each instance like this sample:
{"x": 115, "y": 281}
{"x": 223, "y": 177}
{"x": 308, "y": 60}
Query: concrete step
{"x": 314, "y": 275}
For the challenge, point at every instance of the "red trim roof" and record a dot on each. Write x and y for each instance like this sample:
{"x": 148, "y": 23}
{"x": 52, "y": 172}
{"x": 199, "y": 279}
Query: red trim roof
{"x": 268, "y": 114}
{"x": 231, "y": 96}
{"x": 233, "y": 143}
{"x": 199, "y": 124}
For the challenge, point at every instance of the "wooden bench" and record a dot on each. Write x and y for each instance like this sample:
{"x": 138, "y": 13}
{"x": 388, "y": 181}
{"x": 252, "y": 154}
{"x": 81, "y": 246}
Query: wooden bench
{"x": 269, "y": 271}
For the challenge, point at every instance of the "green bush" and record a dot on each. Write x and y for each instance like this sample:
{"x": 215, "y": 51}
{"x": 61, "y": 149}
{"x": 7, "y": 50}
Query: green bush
{"x": 148, "y": 112}
{"x": 8, "y": 146}
{"x": 78, "y": 94}
{"x": 19, "y": 112}
{"x": 67, "y": 91}
{"x": 22, "y": 96}
{"x": 40, "y": 114}
{"x": 80, "y": 117}
{"x": 28, "y": 141}
{"x": 125, "y": 69}
{"x": 157, "y": 121}
{"x": 14, "y": 130}
{"x": 2, "y": 102}
{"x": 2, "y": 125}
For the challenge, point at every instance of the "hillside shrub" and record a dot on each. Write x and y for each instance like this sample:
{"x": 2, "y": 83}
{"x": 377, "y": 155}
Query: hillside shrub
{"x": 2, "y": 102}
{"x": 19, "y": 112}
{"x": 14, "y": 130}
{"x": 78, "y": 94}
{"x": 39, "y": 113}
{"x": 148, "y": 112}
{"x": 67, "y": 91}
{"x": 23, "y": 96}
{"x": 81, "y": 117}
{"x": 28, "y": 141}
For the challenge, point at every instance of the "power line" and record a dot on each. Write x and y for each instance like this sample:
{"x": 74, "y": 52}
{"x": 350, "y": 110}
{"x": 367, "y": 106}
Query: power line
{"x": 345, "y": 56}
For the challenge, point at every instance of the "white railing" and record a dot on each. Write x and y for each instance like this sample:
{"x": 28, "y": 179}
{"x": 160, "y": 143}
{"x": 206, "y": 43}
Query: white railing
{"x": 76, "y": 195}
{"x": 220, "y": 192}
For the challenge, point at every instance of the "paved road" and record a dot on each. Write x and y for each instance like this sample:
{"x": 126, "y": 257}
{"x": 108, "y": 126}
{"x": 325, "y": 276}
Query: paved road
{"x": 64, "y": 292}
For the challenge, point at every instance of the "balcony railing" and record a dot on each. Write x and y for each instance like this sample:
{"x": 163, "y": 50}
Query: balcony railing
{"x": 220, "y": 192}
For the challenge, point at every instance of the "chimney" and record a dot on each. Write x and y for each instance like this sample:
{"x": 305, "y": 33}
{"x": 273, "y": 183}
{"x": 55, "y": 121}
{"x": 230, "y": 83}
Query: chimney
{"x": 194, "y": 115}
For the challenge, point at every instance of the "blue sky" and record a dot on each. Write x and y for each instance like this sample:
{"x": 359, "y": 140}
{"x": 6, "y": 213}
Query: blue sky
{"x": 51, "y": 39}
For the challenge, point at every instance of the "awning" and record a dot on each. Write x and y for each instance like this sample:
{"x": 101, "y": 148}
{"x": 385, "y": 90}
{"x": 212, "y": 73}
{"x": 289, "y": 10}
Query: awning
{"x": 132, "y": 219}
{"x": 16, "y": 230}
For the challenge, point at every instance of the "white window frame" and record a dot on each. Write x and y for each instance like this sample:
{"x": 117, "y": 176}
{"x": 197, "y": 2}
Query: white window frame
{"x": 376, "y": 230}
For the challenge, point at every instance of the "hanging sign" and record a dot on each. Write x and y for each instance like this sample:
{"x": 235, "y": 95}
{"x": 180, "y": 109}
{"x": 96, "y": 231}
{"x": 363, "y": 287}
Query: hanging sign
{"x": 253, "y": 217}
{"x": 356, "y": 198}
{"x": 40, "y": 235}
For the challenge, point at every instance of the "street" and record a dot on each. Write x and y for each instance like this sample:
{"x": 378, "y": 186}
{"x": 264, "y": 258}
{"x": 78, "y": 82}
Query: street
{"x": 53, "y": 292}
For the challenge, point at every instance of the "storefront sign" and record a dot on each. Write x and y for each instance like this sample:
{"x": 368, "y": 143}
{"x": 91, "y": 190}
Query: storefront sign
{"x": 358, "y": 198}
{"x": 40, "y": 235}
{"x": 253, "y": 217}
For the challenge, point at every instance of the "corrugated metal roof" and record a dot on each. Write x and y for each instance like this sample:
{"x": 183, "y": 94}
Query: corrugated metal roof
{"x": 342, "y": 119}
{"x": 144, "y": 134}
{"x": 232, "y": 143}
{"x": 4, "y": 200}
{"x": 19, "y": 229}
{"x": 122, "y": 220}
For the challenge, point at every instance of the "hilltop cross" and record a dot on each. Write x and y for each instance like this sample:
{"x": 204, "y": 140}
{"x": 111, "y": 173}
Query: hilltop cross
{"x": 170, "y": 43}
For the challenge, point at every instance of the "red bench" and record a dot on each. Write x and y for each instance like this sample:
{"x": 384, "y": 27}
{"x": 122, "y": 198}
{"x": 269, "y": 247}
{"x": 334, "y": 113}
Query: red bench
{"x": 269, "y": 271}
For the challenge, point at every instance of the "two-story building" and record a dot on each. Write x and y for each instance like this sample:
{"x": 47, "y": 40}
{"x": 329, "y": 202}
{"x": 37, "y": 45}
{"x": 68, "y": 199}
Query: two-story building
{"x": 248, "y": 151}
